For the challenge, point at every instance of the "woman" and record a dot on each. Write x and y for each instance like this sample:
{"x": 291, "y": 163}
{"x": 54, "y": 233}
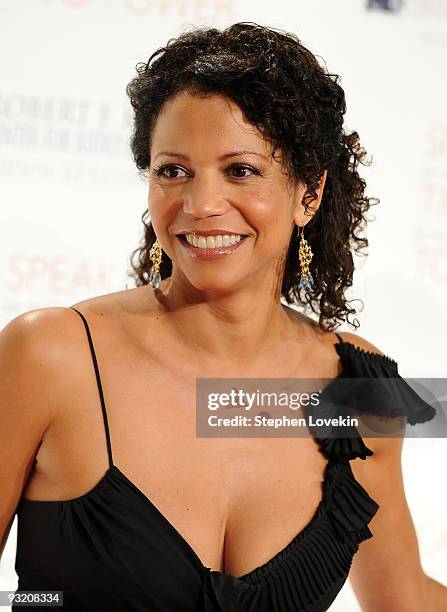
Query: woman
{"x": 120, "y": 505}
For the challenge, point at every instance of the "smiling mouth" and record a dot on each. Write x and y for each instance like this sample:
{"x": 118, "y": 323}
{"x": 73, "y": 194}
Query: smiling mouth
{"x": 182, "y": 237}
{"x": 209, "y": 253}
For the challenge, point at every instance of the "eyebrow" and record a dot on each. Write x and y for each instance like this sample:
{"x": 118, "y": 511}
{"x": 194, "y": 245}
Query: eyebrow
{"x": 225, "y": 156}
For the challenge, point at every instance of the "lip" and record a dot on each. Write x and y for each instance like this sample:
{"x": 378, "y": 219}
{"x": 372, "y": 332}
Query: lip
{"x": 210, "y": 254}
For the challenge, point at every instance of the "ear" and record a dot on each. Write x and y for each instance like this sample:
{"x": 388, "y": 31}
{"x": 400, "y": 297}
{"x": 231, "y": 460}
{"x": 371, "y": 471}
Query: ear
{"x": 299, "y": 217}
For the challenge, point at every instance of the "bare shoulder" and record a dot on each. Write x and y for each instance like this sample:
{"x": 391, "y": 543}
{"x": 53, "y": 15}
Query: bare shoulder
{"x": 360, "y": 342}
{"x": 42, "y": 366}
{"x": 36, "y": 347}
{"x": 310, "y": 326}
{"x": 42, "y": 360}
{"x": 37, "y": 332}
{"x": 47, "y": 334}
{"x": 34, "y": 350}
{"x": 133, "y": 301}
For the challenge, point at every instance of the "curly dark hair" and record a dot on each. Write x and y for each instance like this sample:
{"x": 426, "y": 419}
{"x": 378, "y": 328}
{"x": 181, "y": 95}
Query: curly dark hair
{"x": 298, "y": 106}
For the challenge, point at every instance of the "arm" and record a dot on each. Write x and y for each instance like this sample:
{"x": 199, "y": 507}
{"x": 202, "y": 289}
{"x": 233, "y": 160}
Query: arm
{"x": 386, "y": 573}
{"x": 27, "y": 403}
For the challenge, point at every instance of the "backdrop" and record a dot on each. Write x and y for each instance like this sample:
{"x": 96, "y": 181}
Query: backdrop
{"x": 71, "y": 199}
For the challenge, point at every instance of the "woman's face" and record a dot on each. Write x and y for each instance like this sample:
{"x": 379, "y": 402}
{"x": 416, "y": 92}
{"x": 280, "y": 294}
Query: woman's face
{"x": 211, "y": 170}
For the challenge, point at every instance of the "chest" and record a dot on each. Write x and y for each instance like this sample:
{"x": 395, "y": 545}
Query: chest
{"x": 236, "y": 501}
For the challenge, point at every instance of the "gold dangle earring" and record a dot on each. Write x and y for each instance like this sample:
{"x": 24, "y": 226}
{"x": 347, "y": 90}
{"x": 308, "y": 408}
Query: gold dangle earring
{"x": 155, "y": 255}
{"x": 305, "y": 256}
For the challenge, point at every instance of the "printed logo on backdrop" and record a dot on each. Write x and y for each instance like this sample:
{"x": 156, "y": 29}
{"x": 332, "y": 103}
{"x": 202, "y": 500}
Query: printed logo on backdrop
{"x": 74, "y": 140}
{"x": 430, "y": 237}
{"x": 416, "y": 9}
{"x": 33, "y": 275}
{"x": 385, "y": 5}
{"x": 177, "y": 9}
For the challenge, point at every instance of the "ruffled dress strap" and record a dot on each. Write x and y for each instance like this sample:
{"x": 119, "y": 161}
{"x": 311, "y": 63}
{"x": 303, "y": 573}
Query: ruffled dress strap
{"x": 374, "y": 387}
{"x": 381, "y": 391}
{"x": 392, "y": 395}
{"x": 348, "y": 505}
{"x": 346, "y": 448}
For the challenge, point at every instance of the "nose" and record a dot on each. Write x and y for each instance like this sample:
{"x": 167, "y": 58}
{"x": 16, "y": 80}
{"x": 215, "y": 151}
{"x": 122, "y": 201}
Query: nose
{"x": 205, "y": 198}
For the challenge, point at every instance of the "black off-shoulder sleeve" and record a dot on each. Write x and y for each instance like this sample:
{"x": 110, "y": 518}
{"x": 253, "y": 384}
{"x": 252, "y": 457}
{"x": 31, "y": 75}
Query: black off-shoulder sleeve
{"x": 388, "y": 394}
{"x": 375, "y": 387}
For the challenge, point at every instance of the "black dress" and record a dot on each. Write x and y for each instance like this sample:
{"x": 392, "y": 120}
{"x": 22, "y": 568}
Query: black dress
{"x": 111, "y": 549}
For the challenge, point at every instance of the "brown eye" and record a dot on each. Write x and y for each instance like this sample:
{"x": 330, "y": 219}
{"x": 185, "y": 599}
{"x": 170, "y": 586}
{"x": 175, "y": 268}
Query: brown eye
{"x": 241, "y": 167}
{"x": 170, "y": 168}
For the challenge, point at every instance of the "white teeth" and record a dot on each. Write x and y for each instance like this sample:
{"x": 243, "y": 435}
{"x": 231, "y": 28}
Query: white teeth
{"x": 212, "y": 242}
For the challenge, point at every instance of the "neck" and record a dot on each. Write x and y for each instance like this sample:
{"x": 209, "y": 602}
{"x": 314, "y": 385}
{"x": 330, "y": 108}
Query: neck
{"x": 237, "y": 326}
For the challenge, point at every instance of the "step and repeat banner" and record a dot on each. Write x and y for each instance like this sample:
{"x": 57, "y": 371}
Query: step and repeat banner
{"x": 72, "y": 200}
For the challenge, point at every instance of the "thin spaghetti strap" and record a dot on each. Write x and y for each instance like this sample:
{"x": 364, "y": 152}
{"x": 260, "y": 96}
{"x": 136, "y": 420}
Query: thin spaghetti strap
{"x": 340, "y": 339}
{"x": 98, "y": 380}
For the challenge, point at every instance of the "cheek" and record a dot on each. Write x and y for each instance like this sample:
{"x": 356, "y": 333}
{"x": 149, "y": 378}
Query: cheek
{"x": 161, "y": 212}
{"x": 272, "y": 218}
{"x": 274, "y": 229}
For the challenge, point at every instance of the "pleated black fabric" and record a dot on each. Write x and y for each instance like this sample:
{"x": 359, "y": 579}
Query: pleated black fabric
{"x": 113, "y": 550}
